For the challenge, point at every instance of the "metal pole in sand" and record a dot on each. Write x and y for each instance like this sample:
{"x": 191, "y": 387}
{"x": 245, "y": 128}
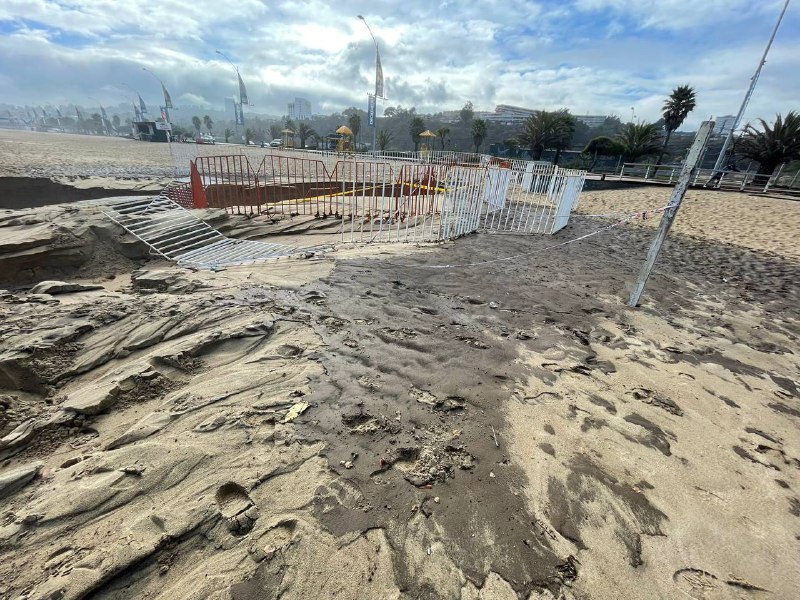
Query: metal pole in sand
{"x": 753, "y": 80}
{"x": 688, "y": 170}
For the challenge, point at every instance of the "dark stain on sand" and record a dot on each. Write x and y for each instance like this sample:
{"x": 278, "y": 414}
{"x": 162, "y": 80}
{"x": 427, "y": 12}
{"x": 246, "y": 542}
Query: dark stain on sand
{"x": 404, "y": 450}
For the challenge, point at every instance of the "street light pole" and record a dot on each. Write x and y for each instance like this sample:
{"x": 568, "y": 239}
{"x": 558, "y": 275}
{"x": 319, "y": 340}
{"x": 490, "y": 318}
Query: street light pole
{"x": 377, "y": 62}
{"x": 240, "y": 114}
{"x": 735, "y": 125}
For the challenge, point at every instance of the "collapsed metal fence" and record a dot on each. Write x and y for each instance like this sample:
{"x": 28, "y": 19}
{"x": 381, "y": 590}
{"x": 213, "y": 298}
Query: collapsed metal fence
{"x": 393, "y": 197}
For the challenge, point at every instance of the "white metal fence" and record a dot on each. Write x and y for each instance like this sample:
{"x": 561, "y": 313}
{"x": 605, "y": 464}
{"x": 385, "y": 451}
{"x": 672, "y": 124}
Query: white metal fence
{"x": 534, "y": 198}
{"x": 424, "y": 196}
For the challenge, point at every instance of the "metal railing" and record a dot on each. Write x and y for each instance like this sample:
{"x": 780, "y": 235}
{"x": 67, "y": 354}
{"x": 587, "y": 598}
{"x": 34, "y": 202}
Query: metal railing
{"x": 386, "y": 199}
{"x": 723, "y": 179}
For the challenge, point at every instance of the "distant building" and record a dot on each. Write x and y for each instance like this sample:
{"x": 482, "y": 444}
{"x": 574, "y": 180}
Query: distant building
{"x": 591, "y": 120}
{"x": 299, "y": 110}
{"x": 724, "y": 125}
{"x": 505, "y": 114}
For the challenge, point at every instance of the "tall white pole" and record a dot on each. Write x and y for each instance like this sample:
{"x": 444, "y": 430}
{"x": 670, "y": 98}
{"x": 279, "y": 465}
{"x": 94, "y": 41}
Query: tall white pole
{"x": 724, "y": 151}
{"x": 238, "y": 77}
{"x": 377, "y": 58}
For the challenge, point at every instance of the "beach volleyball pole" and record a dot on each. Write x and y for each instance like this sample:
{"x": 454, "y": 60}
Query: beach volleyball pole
{"x": 687, "y": 173}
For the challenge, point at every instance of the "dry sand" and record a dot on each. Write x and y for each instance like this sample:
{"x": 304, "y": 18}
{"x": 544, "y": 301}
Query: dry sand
{"x": 504, "y": 431}
{"x": 757, "y": 222}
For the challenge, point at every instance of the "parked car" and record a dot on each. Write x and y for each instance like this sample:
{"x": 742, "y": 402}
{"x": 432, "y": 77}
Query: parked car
{"x": 205, "y": 138}
{"x": 276, "y": 143}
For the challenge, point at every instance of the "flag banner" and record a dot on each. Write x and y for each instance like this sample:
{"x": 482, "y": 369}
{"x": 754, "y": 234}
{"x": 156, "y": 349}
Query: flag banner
{"x": 137, "y": 113}
{"x": 164, "y": 114}
{"x": 242, "y": 90}
{"x": 371, "y": 111}
{"x": 378, "y": 75}
{"x": 167, "y": 98}
{"x": 142, "y": 106}
{"x": 236, "y": 117}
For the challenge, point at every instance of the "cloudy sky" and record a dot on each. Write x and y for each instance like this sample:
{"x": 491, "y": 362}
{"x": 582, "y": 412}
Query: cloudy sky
{"x": 591, "y": 56}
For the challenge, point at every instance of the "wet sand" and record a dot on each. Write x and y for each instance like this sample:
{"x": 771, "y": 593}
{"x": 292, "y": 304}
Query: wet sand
{"x": 365, "y": 424}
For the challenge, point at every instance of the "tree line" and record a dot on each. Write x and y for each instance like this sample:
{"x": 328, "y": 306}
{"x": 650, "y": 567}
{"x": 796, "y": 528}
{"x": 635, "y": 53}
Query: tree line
{"x": 770, "y": 144}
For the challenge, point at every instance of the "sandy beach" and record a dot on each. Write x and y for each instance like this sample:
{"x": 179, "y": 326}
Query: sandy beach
{"x": 364, "y": 423}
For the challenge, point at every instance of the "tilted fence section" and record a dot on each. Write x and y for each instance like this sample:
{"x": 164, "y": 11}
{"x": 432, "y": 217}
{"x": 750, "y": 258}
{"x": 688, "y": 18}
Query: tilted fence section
{"x": 534, "y": 198}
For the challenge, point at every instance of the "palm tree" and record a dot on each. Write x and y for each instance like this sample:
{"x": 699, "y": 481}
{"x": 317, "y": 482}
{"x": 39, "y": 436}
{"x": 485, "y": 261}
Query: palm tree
{"x": 772, "y": 146}
{"x": 197, "y": 123}
{"x": 562, "y": 137}
{"x": 479, "y": 128}
{"x": 304, "y": 132}
{"x": 354, "y": 123}
{"x": 415, "y": 127}
{"x": 384, "y": 138}
{"x": 208, "y": 123}
{"x": 547, "y": 129}
{"x": 442, "y": 133}
{"x": 675, "y": 110}
{"x": 228, "y": 134}
{"x": 602, "y": 146}
{"x": 639, "y": 139}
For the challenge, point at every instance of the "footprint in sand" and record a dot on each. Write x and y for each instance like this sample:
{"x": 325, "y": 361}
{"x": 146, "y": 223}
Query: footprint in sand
{"x": 236, "y": 507}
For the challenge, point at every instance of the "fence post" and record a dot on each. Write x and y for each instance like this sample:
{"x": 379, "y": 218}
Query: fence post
{"x": 774, "y": 178}
{"x": 647, "y": 173}
{"x": 199, "y": 199}
{"x": 675, "y": 200}
{"x": 794, "y": 179}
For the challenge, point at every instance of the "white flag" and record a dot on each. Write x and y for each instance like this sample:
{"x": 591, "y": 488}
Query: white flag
{"x": 378, "y": 75}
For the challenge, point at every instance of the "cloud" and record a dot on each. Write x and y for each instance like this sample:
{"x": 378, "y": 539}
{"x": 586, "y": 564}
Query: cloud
{"x": 591, "y": 56}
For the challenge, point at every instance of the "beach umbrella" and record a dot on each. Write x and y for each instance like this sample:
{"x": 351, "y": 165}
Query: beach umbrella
{"x": 427, "y": 134}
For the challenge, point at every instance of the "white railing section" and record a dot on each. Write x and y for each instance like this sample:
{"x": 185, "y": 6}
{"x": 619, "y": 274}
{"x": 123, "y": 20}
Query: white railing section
{"x": 174, "y": 233}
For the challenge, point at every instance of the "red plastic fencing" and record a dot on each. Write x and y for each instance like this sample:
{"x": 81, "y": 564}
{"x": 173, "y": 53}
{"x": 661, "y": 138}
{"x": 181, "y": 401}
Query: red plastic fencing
{"x": 180, "y": 193}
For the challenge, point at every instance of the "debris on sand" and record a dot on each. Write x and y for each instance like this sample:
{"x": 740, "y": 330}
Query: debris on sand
{"x": 295, "y": 411}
